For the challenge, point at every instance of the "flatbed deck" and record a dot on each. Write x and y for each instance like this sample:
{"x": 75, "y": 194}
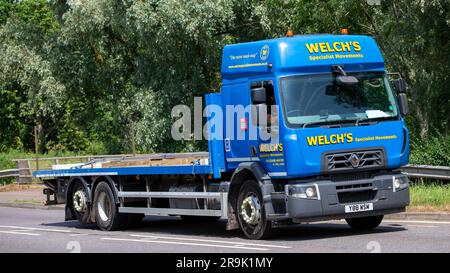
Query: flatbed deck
{"x": 180, "y": 163}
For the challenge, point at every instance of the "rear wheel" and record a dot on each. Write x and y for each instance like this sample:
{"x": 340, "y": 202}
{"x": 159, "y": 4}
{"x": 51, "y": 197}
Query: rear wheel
{"x": 251, "y": 213}
{"x": 107, "y": 214}
{"x": 365, "y": 223}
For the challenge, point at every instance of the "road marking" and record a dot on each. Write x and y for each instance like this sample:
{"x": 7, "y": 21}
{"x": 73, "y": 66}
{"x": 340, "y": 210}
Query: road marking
{"x": 183, "y": 243}
{"x": 417, "y": 222}
{"x": 79, "y": 234}
{"x": 38, "y": 229}
{"x": 422, "y": 226}
{"x": 19, "y": 233}
{"x": 205, "y": 240}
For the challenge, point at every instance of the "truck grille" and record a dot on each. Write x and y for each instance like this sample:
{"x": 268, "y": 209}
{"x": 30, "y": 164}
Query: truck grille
{"x": 352, "y": 176}
{"x": 356, "y": 196}
{"x": 345, "y": 161}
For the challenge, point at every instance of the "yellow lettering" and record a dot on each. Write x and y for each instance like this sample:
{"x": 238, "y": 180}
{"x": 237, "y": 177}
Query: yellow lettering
{"x": 280, "y": 147}
{"x": 349, "y": 137}
{"x": 356, "y": 46}
{"x": 328, "y": 47}
{"x": 340, "y": 138}
{"x": 321, "y": 138}
{"x": 261, "y": 147}
{"x": 312, "y": 48}
{"x": 336, "y": 46}
{"x": 312, "y": 141}
{"x": 333, "y": 139}
{"x": 345, "y": 46}
{"x": 323, "y": 47}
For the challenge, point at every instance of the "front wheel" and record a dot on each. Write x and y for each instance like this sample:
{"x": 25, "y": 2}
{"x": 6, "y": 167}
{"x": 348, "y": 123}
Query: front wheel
{"x": 365, "y": 223}
{"x": 251, "y": 213}
{"x": 107, "y": 214}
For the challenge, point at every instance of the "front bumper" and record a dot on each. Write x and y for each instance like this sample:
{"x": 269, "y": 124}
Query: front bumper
{"x": 334, "y": 196}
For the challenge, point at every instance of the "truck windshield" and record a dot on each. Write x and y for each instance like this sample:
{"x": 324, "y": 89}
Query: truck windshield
{"x": 314, "y": 100}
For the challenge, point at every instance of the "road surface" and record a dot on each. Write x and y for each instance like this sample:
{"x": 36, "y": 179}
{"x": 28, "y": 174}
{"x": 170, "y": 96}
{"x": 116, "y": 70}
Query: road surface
{"x": 40, "y": 230}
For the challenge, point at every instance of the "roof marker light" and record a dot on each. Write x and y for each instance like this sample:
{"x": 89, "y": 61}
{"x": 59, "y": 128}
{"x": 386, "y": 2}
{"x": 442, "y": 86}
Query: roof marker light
{"x": 344, "y": 31}
{"x": 289, "y": 33}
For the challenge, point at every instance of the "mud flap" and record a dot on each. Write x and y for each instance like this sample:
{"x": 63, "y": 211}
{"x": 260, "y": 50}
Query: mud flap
{"x": 232, "y": 222}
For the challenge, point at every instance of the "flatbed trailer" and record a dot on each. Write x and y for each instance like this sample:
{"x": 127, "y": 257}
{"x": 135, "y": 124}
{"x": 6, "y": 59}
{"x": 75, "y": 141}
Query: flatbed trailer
{"x": 170, "y": 164}
{"x": 339, "y": 142}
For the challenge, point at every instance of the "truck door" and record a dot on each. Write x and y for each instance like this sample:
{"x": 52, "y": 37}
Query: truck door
{"x": 236, "y": 103}
{"x": 267, "y": 147}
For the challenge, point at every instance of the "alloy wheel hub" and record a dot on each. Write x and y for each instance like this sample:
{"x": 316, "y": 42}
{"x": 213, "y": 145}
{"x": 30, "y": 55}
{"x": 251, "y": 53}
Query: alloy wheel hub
{"x": 251, "y": 210}
{"x": 79, "y": 201}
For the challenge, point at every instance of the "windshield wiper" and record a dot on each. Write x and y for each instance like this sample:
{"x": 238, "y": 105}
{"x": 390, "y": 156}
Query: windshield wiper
{"x": 327, "y": 122}
{"x": 341, "y": 121}
{"x": 357, "y": 121}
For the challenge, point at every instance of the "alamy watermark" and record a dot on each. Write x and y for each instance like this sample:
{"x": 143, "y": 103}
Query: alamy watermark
{"x": 73, "y": 247}
{"x": 232, "y": 122}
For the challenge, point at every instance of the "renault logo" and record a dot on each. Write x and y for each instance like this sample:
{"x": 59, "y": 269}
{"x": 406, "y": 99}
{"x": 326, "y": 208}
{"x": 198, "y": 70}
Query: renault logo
{"x": 354, "y": 160}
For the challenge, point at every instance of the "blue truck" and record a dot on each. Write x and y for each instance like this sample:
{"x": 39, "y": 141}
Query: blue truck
{"x": 340, "y": 143}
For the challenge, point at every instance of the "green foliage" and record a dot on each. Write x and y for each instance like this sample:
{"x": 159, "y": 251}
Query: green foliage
{"x": 431, "y": 150}
{"x": 6, "y": 7}
{"x": 87, "y": 70}
{"x": 10, "y": 106}
{"x": 436, "y": 195}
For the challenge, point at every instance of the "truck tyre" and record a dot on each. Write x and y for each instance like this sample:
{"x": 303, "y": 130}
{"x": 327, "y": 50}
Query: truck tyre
{"x": 79, "y": 203}
{"x": 107, "y": 214}
{"x": 365, "y": 223}
{"x": 251, "y": 212}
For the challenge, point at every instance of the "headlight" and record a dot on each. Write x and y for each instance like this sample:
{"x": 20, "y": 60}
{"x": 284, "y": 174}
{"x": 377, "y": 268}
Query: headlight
{"x": 304, "y": 191}
{"x": 399, "y": 183}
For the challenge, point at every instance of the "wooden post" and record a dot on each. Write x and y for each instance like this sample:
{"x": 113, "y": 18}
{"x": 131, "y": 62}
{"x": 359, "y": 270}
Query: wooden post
{"x": 36, "y": 146}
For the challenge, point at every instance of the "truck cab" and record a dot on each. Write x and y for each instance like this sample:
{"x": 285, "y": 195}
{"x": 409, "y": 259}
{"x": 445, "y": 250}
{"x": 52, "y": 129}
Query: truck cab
{"x": 338, "y": 138}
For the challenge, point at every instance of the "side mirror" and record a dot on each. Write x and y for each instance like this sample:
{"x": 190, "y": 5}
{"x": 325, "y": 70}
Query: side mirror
{"x": 403, "y": 101}
{"x": 258, "y": 95}
{"x": 400, "y": 85}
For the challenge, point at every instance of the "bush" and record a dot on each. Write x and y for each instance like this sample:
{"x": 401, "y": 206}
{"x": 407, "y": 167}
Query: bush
{"x": 430, "y": 150}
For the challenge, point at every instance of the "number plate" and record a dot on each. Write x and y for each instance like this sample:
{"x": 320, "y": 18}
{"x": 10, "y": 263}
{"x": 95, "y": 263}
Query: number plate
{"x": 358, "y": 207}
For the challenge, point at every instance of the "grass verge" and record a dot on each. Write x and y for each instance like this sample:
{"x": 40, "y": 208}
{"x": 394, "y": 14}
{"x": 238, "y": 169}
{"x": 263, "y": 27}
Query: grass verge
{"x": 16, "y": 187}
{"x": 432, "y": 197}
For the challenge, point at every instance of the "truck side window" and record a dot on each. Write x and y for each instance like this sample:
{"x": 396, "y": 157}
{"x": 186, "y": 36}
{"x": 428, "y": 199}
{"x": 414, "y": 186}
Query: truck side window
{"x": 271, "y": 118}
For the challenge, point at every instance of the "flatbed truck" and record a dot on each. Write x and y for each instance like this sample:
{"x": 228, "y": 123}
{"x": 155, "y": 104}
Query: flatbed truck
{"x": 341, "y": 141}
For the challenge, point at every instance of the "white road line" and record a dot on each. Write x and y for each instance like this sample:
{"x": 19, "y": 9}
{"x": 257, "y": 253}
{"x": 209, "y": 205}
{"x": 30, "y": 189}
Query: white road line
{"x": 19, "y": 233}
{"x": 422, "y": 226}
{"x": 417, "y": 222}
{"x": 38, "y": 229}
{"x": 182, "y": 243}
{"x": 205, "y": 240}
{"x": 79, "y": 234}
